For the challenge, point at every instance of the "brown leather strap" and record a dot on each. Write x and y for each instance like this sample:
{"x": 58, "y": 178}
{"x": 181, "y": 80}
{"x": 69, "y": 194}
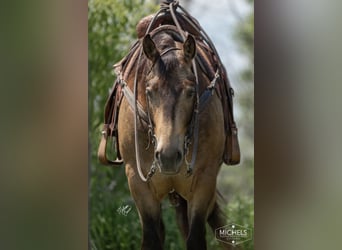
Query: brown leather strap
{"x": 231, "y": 154}
{"x": 109, "y": 127}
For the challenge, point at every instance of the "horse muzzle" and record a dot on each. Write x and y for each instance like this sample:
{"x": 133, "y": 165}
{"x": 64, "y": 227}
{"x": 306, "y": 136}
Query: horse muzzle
{"x": 169, "y": 160}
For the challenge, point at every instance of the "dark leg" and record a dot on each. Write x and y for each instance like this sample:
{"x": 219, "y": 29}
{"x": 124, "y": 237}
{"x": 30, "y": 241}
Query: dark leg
{"x": 161, "y": 231}
{"x": 216, "y": 218}
{"x": 199, "y": 206}
{"x": 151, "y": 233}
{"x": 149, "y": 209}
{"x": 196, "y": 239}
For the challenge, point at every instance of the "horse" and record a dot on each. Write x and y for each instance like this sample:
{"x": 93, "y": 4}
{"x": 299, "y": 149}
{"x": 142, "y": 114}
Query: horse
{"x": 171, "y": 142}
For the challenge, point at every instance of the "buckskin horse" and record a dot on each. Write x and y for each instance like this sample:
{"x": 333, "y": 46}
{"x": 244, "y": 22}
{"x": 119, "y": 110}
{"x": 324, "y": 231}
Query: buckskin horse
{"x": 167, "y": 115}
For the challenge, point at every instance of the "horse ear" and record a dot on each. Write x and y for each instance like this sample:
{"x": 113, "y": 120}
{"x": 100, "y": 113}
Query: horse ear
{"x": 150, "y": 49}
{"x": 189, "y": 48}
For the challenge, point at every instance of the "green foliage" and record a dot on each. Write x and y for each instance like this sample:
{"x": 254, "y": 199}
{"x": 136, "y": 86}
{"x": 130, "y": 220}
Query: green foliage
{"x": 245, "y": 34}
{"x": 241, "y": 209}
{"x": 111, "y": 31}
{"x": 245, "y": 37}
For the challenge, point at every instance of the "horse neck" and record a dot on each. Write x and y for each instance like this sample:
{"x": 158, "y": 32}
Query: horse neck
{"x": 136, "y": 68}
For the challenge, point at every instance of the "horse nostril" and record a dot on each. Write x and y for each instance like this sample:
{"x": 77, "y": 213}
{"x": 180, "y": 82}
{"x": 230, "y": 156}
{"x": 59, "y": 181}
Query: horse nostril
{"x": 168, "y": 158}
{"x": 157, "y": 155}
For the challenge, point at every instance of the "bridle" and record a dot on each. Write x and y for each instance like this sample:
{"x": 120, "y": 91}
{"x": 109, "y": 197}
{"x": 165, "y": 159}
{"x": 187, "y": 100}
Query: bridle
{"x": 151, "y": 131}
{"x": 191, "y": 136}
{"x": 192, "y": 131}
{"x": 151, "y": 134}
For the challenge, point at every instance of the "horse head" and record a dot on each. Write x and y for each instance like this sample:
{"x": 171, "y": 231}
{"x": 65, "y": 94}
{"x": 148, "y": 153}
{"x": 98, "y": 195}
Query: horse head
{"x": 170, "y": 96}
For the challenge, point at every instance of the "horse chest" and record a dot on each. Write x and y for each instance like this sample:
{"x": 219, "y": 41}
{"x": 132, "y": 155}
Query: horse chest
{"x": 161, "y": 186}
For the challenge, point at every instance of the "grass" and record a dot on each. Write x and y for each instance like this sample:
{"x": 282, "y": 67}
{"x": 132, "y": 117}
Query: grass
{"x": 112, "y": 230}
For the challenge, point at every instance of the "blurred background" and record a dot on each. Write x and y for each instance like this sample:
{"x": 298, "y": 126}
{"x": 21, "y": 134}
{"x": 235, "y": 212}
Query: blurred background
{"x": 44, "y": 154}
{"x": 111, "y": 32}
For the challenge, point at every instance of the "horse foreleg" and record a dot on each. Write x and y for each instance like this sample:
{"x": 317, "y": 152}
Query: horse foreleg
{"x": 199, "y": 205}
{"x": 152, "y": 225}
{"x": 196, "y": 238}
{"x": 149, "y": 209}
{"x": 153, "y": 232}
